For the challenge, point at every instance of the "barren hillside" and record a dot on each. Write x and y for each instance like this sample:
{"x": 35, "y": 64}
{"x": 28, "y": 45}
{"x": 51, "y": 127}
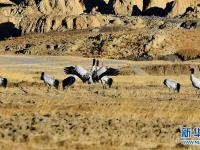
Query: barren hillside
{"x": 133, "y": 29}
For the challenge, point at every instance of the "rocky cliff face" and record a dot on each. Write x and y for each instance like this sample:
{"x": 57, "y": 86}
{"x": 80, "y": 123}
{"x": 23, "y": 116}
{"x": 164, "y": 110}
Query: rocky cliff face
{"x": 46, "y": 15}
{"x": 119, "y": 7}
{"x": 139, "y": 36}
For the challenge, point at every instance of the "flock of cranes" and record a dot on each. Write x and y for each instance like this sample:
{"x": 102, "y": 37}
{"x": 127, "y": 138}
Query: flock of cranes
{"x": 98, "y": 74}
{"x": 95, "y": 75}
{"x": 175, "y": 86}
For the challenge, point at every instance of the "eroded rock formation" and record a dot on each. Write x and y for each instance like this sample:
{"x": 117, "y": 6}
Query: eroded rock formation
{"x": 46, "y": 15}
{"x": 139, "y": 37}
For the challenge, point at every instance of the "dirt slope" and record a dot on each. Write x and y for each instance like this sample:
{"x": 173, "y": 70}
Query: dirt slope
{"x": 46, "y": 15}
{"x": 101, "y": 28}
{"x": 172, "y": 42}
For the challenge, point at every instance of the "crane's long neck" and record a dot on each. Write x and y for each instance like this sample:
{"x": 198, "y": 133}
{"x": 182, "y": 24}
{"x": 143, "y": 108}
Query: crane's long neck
{"x": 42, "y": 76}
{"x": 97, "y": 66}
{"x": 93, "y": 69}
{"x": 192, "y": 77}
{"x": 93, "y": 65}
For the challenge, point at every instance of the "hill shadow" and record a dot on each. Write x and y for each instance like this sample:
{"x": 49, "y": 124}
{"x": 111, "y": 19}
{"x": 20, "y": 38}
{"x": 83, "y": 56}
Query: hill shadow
{"x": 154, "y": 11}
{"x": 157, "y": 11}
{"x": 145, "y": 4}
{"x": 17, "y": 1}
{"x": 136, "y": 11}
{"x": 8, "y": 29}
{"x": 5, "y": 5}
{"x": 102, "y": 6}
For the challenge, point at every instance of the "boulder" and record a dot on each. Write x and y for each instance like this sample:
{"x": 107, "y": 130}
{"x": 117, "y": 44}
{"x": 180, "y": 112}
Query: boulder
{"x": 64, "y": 7}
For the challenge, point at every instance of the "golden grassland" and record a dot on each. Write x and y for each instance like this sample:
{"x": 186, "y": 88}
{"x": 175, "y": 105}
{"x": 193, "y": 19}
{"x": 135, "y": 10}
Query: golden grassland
{"x": 138, "y": 112}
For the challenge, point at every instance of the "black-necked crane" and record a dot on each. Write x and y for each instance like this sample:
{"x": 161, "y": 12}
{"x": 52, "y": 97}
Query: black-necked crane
{"x": 49, "y": 80}
{"x": 195, "y": 81}
{"x": 83, "y": 74}
{"x": 69, "y": 81}
{"x": 79, "y": 71}
{"x": 94, "y": 75}
{"x": 3, "y": 82}
{"x": 105, "y": 80}
{"x": 171, "y": 84}
{"x": 103, "y": 71}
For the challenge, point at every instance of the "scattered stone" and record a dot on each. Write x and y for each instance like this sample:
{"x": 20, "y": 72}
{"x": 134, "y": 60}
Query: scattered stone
{"x": 190, "y": 24}
{"x": 23, "y": 51}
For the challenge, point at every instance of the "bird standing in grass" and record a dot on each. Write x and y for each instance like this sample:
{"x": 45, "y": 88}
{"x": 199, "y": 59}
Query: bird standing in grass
{"x": 105, "y": 80}
{"x": 171, "y": 84}
{"x": 195, "y": 81}
{"x": 103, "y": 71}
{"x": 3, "y": 82}
{"x": 69, "y": 81}
{"x": 79, "y": 71}
{"x": 49, "y": 80}
{"x": 91, "y": 76}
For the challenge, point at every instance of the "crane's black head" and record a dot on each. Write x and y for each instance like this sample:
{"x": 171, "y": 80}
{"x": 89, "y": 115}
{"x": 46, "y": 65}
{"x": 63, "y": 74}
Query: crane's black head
{"x": 4, "y": 84}
{"x": 56, "y": 84}
{"x": 110, "y": 81}
{"x": 42, "y": 76}
{"x": 164, "y": 82}
{"x": 178, "y": 87}
{"x": 192, "y": 70}
{"x": 94, "y": 60}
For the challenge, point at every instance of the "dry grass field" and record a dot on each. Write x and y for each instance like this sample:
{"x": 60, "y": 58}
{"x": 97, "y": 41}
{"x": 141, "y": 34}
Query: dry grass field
{"x": 138, "y": 112}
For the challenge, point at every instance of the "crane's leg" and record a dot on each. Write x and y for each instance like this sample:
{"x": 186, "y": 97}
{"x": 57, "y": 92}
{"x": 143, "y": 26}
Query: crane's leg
{"x": 196, "y": 91}
{"x": 69, "y": 88}
{"x": 91, "y": 86}
{"x": 48, "y": 88}
{"x": 46, "y": 85}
